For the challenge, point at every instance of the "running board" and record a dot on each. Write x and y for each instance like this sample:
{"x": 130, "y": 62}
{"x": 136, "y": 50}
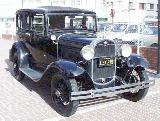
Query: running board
{"x": 31, "y": 73}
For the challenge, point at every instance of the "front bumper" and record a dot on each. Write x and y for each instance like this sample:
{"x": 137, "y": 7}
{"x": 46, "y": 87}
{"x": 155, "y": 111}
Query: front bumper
{"x": 111, "y": 91}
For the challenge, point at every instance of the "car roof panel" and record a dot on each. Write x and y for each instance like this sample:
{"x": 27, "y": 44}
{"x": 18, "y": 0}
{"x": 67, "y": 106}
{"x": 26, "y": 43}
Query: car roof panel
{"x": 56, "y": 9}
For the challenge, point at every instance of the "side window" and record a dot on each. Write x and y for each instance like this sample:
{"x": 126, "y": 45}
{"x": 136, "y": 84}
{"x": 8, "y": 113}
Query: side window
{"x": 28, "y": 22}
{"x": 22, "y": 22}
{"x": 18, "y": 22}
{"x": 38, "y": 23}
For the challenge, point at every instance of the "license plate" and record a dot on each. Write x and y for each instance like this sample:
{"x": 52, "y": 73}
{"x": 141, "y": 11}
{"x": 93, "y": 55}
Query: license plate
{"x": 105, "y": 61}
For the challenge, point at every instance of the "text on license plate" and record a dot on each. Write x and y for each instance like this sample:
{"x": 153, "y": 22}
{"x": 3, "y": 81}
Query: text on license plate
{"x": 105, "y": 61}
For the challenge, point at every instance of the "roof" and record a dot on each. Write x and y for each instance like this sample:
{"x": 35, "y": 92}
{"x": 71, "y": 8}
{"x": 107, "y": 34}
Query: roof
{"x": 56, "y": 9}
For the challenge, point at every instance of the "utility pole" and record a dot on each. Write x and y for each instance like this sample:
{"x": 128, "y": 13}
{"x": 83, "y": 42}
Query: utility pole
{"x": 112, "y": 12}
{"x": 158, "y": 60}
{"x": 51, "y": 2}
{"x": 22, "y": 3}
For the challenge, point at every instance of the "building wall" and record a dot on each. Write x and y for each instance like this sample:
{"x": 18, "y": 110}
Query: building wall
{"x": 128, "y": 13}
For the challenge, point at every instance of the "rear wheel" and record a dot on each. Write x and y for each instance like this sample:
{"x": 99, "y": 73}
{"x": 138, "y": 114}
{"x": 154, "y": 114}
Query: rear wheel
{"x": 61, "y": 89}
{"x": 138, "y": 94}
{"x": 16, "y": 64}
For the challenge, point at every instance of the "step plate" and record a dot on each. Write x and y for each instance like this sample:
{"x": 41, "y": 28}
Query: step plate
{"x": 33, "y": 74}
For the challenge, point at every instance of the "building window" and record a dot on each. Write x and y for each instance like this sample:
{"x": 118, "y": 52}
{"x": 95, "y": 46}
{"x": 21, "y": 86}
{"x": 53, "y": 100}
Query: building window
{"x": 151, "y": 6}
{"x": 77, "y": 2}
{"x": 58, "y": 2}
{"x": 131, "y": 5}
{"x": 142, "y": 6}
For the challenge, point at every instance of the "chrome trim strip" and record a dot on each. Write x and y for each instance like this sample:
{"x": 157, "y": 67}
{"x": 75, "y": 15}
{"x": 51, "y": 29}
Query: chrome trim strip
{"x": 92, "y": 69}
{"x": 115, "y": 64}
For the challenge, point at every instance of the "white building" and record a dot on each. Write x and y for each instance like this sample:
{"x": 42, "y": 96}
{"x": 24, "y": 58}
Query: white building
{"x": 133, "y": 10}
{"x": 94, "y": 5}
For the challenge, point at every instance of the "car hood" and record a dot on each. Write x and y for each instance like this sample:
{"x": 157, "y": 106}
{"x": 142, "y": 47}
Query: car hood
{"x": 78, "y": 40}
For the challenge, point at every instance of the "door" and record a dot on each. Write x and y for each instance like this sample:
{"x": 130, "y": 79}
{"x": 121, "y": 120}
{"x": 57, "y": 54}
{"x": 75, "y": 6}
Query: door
{"x": 41, "y": 47}
{"x": 23, "y": 26}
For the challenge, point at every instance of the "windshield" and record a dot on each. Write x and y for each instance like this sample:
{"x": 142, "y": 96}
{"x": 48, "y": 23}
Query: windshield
{"x": 119, "y": 27}
{"x": 72, "y": 22}
{"x": 151, "y": 31}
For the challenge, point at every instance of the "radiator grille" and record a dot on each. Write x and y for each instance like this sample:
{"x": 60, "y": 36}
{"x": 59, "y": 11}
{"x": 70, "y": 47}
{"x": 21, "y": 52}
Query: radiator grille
{"x": 102, "y": 72}
{"x": 106, "y": 49}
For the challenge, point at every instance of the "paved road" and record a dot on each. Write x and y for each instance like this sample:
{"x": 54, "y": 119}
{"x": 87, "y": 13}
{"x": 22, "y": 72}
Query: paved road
{"x": 29, "y": 101}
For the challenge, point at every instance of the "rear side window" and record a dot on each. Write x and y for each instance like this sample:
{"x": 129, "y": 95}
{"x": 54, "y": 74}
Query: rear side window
{"x": 18, "y": 22}
{"x": 22, "y": 22}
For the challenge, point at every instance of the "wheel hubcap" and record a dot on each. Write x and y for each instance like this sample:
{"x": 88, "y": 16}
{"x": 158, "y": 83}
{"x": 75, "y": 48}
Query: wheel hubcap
{"x": 57, "y": 93}
{"x": 136, "y": 78}
{"x": 61, "y": 93}
{"x": 15, "y": 67}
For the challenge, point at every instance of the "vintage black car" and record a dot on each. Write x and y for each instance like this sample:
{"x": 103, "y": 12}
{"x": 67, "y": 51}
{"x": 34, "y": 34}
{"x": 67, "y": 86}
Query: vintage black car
{"x": 59, "y": 44}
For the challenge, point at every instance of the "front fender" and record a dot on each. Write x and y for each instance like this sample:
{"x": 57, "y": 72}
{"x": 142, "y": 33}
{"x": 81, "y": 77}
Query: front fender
{"x": 71, "y": 70}
{"x": 135, "y": 60}
{"x": 68, "y": 68}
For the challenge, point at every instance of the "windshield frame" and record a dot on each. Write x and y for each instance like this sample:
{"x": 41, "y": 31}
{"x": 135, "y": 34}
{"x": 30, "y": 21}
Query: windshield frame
{"x": 71, "y": 14}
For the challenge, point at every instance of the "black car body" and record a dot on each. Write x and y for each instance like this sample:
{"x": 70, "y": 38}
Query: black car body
{"x": 60, "y": 44}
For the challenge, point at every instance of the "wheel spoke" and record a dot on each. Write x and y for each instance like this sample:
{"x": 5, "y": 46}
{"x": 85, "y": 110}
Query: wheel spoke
{"x": 61, "y": 93}
{"x": 15, "y": 68}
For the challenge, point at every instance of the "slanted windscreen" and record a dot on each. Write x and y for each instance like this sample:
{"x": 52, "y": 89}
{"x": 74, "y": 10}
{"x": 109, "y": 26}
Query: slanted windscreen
{"x": 77, "y": 22}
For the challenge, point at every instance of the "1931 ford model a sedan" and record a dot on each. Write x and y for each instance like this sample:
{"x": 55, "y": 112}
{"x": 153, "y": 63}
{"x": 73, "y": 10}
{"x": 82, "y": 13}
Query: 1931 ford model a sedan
{"x": 60, "y": 44}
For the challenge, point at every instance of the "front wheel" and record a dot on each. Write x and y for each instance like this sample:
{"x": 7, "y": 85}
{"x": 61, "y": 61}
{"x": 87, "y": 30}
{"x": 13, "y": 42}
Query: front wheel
{"x": 61, "y": 89}
{"x": 141, "y": 93}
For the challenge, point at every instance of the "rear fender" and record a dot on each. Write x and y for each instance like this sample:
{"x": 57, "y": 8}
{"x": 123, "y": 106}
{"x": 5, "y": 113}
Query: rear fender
{"x": 22, "y": 53}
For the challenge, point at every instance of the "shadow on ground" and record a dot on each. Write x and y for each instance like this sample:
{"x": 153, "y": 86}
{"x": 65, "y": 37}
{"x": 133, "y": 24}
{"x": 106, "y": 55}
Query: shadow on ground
{"x": 44, "y": 90}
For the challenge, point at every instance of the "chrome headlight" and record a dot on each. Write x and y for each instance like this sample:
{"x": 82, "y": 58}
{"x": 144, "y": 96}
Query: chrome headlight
{"x": 126, "y": 50}
{"x": 87, "y": 52}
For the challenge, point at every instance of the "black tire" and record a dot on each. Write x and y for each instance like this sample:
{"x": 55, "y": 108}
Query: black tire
{"x": 140, "y": 94}
{"x": 17, "y": 73}
{"x": 61, "y": 89}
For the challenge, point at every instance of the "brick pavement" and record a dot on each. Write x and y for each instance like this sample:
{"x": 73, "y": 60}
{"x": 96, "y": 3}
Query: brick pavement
{"x": 29, "y": 101}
